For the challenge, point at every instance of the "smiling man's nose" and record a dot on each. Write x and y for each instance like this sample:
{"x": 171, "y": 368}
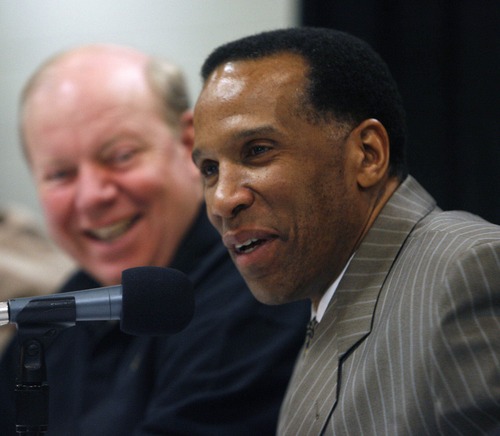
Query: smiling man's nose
{"x": 230, "y": 195}
{"x": 95, "y": 187}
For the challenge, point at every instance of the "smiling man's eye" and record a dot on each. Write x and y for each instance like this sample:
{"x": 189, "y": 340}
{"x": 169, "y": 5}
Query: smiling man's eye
{"x": 258, "y": 149}
{"x": 121, "y": 156}
{"x": 58, "y": 175}
{"x": 124, "y": 156}
{"x": 209, "y": 168}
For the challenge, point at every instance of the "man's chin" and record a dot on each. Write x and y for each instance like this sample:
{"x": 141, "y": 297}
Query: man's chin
{"x": 268, "y": 296}
{"x": 108, "y": 277}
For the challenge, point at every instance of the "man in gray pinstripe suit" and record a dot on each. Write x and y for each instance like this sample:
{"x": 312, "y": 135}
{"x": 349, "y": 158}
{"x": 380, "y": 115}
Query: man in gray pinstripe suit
{"x": 300, "y": 139}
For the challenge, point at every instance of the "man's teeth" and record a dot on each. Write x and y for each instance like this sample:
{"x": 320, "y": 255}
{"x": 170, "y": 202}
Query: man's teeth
{"x": 247, "y": 246}
{"x": 113, "y": 231}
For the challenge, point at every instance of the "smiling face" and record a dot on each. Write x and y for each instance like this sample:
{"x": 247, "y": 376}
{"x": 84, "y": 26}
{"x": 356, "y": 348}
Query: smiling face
{"x": 116, "y": 183}
{"x": 283, "y": 192}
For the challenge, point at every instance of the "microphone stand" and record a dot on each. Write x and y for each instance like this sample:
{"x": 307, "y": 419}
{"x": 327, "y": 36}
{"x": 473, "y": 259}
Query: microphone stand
{"x": 34, "y": 335}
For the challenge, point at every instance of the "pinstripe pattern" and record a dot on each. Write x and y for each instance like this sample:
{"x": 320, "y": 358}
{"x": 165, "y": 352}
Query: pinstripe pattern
{"x": 415, "y": 325}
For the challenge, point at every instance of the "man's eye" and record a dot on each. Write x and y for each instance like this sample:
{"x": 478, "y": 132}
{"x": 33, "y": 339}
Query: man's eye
{"x": 255, "y": 150}
{"x": 209, "y": 169}
{"x": 58, "y": 175}
{"x": 123, "y": 157}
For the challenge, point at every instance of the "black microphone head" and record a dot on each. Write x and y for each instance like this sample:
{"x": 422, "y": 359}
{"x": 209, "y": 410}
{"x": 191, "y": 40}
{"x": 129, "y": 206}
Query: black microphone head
{"x": 155, "y": 301}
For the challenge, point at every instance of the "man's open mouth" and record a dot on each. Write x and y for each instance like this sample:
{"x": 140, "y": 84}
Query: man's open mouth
{"x": 248, "y": 246}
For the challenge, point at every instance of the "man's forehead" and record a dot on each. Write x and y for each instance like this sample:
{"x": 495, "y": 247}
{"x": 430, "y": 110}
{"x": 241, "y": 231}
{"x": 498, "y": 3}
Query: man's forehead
{"x": 233, "y": 77}
{"x": 281, "y": 62}
{"x": 227, "y": 81}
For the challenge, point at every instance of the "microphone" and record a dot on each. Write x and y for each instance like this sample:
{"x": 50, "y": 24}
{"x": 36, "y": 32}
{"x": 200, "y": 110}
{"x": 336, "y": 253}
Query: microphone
{"x": 150, "y": 301}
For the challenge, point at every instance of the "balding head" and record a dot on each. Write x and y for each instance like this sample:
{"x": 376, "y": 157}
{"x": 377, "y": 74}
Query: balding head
{"x": 113, "y": 69}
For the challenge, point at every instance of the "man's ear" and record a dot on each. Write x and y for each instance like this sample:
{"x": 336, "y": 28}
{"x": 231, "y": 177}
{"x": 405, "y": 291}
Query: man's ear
{"x": 372, "y": 143}
{"x": 187, "y": 129}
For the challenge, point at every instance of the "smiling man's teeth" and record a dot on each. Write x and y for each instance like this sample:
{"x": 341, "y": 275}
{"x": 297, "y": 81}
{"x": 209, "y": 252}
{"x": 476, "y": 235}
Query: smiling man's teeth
{"x": 113, "y": 231}
{"x": 247, "y": 246}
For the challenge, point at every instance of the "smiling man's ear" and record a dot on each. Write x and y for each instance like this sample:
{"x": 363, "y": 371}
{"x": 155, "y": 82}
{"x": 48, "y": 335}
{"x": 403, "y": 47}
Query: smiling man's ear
{"x": 187, "y": 129}
{"x": 373, "y": 152}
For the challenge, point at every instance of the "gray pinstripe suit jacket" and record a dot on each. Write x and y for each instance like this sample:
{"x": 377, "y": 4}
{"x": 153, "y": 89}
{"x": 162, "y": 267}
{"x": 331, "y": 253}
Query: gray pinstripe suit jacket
{"x": 410, "y": 343}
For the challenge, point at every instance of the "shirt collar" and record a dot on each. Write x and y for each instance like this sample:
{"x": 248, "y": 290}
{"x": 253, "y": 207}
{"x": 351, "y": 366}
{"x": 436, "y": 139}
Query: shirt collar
{"x": 328, "y": 295}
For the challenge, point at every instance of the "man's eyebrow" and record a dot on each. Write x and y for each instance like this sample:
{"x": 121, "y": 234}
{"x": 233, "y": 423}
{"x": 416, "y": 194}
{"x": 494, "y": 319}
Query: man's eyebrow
{"x": 261, "y": 130}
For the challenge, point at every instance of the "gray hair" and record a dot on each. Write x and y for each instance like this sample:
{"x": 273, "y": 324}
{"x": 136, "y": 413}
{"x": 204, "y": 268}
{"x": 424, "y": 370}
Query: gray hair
{"x": 168, "y": 83}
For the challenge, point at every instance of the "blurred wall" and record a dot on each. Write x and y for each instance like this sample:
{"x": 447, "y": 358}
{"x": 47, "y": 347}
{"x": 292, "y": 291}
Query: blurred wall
{"x": 184, "y": 31}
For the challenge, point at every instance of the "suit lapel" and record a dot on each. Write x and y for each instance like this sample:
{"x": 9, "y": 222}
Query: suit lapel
{"x": 314, "y": 387}
{"x": 354, "y": 303}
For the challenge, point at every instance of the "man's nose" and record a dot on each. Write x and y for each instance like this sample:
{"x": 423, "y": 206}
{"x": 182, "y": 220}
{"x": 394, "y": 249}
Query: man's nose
{"x": 95, "y": 187}
{"x": 231, "y": 194}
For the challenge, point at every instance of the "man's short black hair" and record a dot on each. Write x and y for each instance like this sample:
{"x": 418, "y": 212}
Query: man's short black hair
{"x": 347, "y": 78}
